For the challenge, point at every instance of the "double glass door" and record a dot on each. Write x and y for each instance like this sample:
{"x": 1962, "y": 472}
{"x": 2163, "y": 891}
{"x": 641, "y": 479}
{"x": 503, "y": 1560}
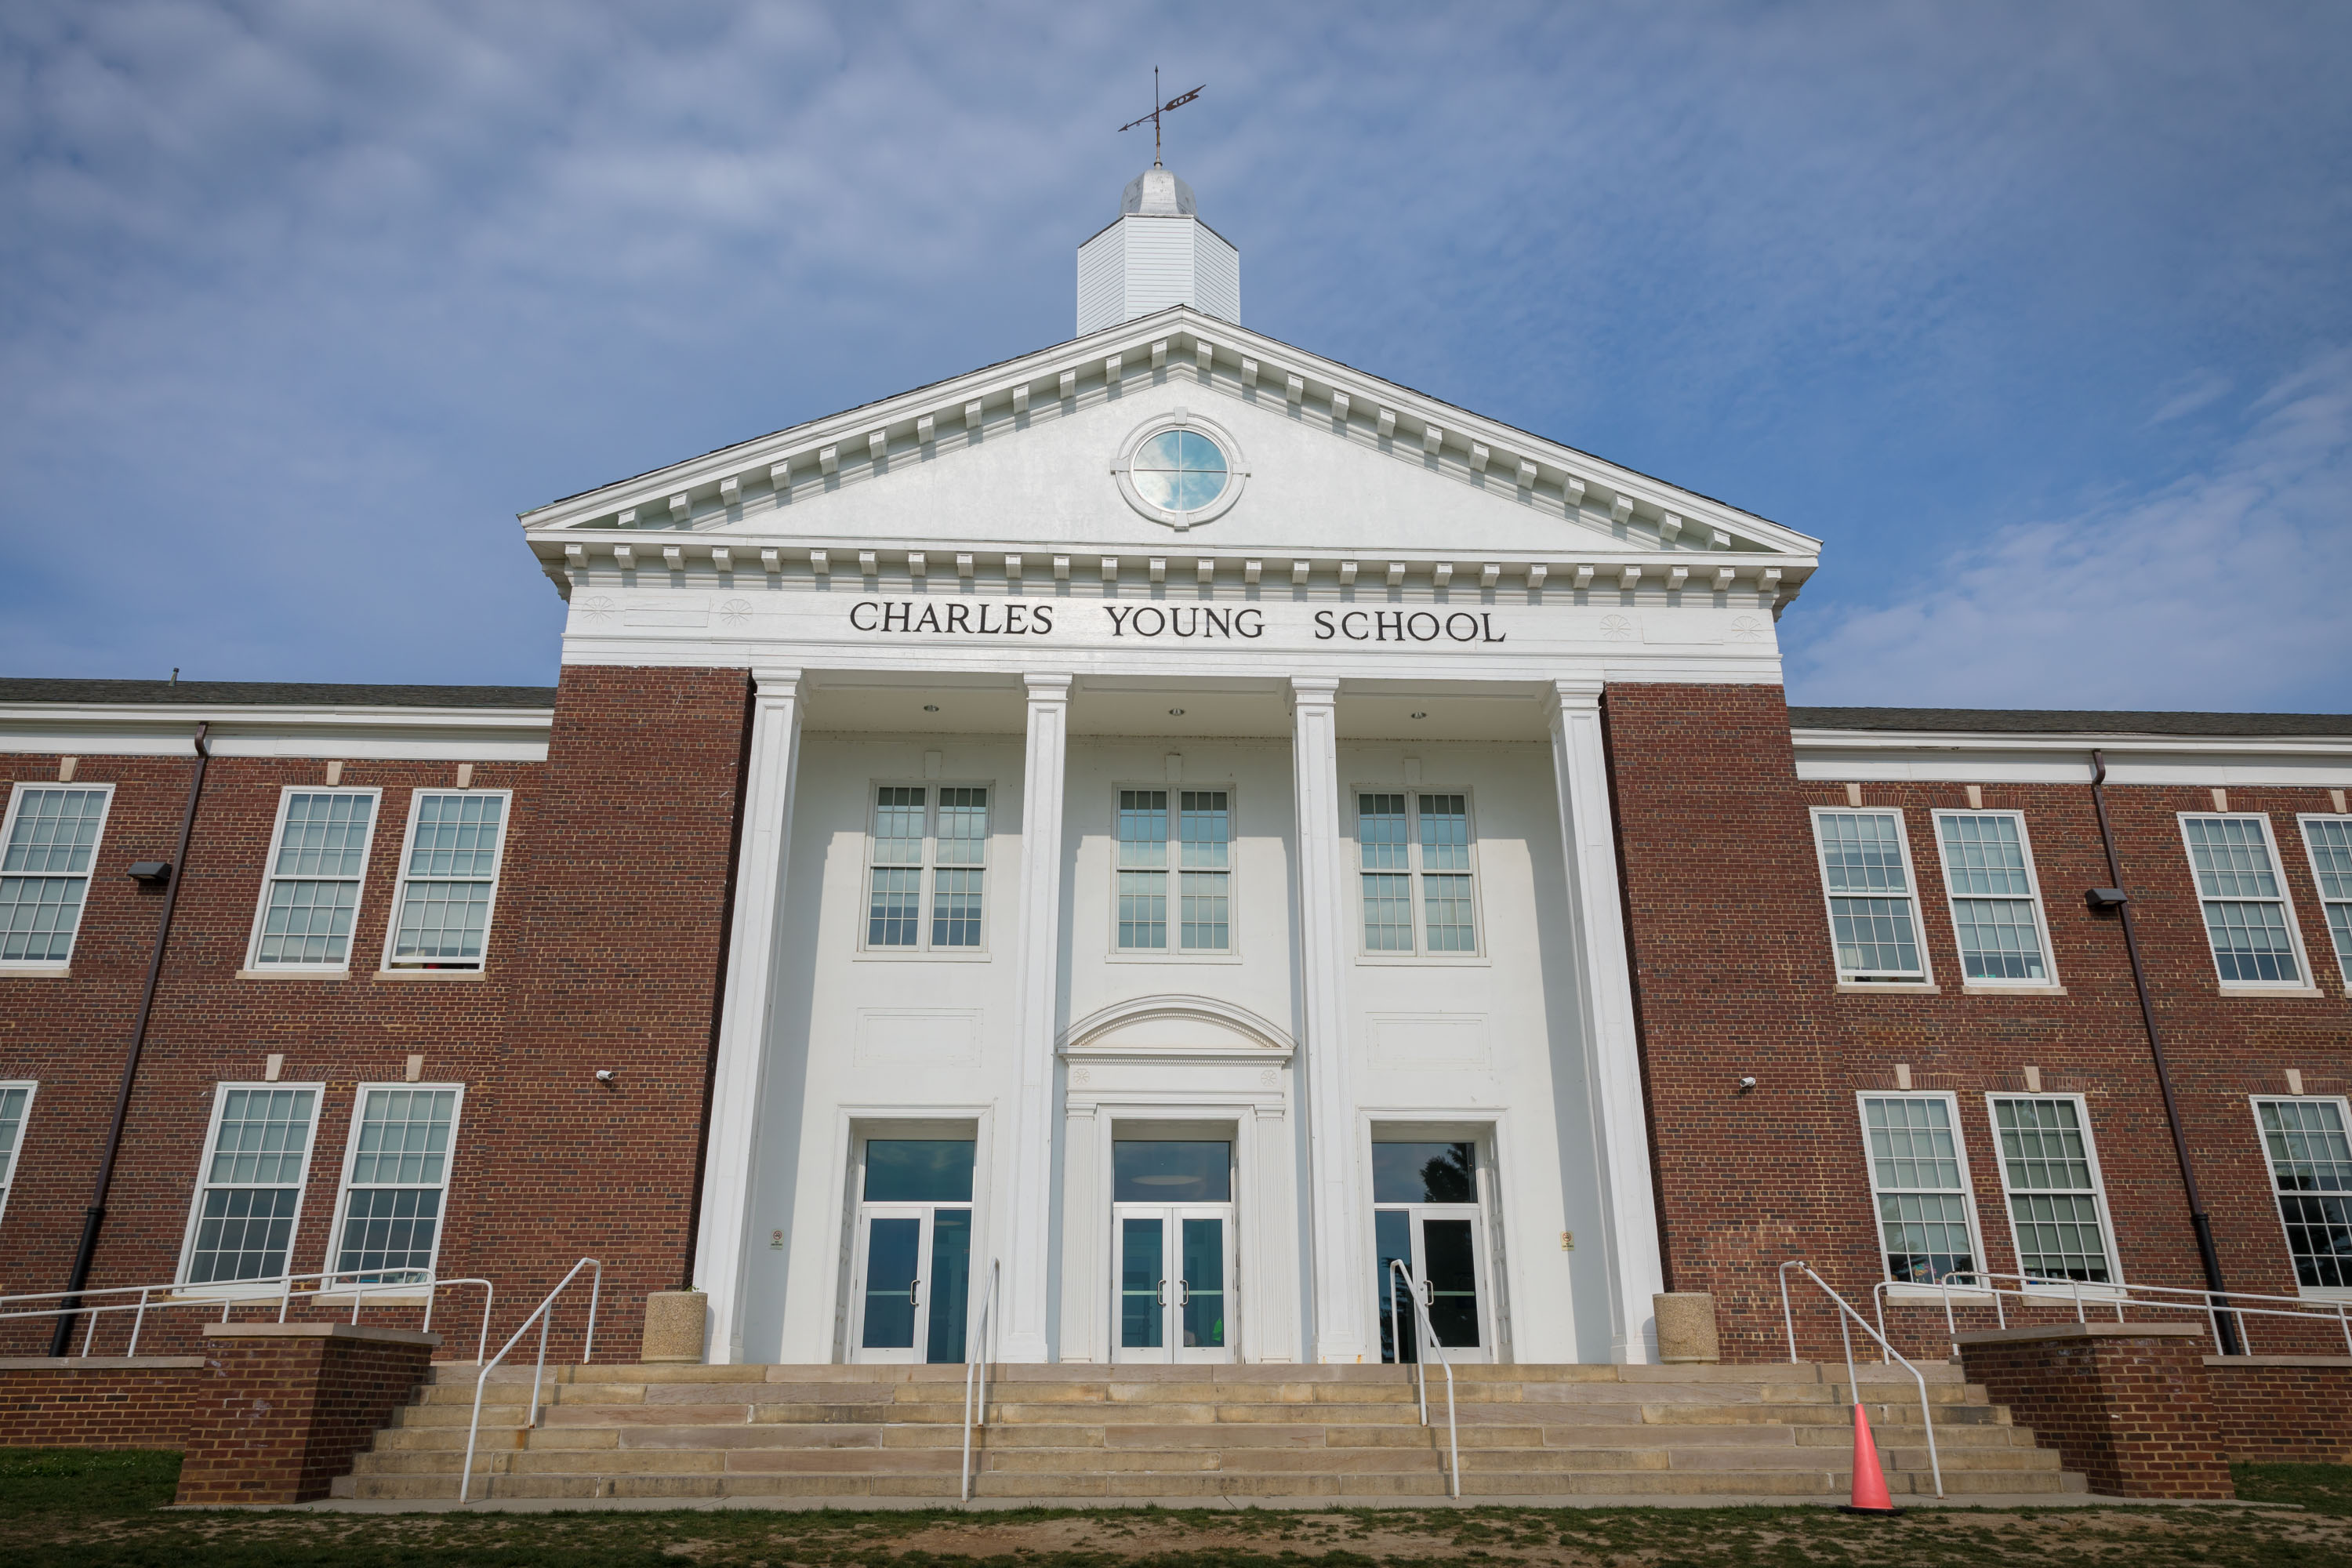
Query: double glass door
{"x": 912, "y": 1272}
{"x": 1172, "y": 1244}
{"x": 1426, "y": 1214}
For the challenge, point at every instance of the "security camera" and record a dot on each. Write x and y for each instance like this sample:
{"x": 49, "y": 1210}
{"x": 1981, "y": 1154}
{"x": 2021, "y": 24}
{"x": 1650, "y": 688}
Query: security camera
{"x": 606, "y": 1077}
{"x": 1746, "y": 1084}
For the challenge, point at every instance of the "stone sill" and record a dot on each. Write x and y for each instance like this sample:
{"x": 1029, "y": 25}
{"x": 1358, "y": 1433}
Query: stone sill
{"x": 319, "y": 1331}
{"x": 430, "y": 974}
{"x": 293, "y": 974}
{"x": 2083, "y": 1331}
{"x": 37, "y": 971}
{"x": 2012, "y": 990}
{"x": 2230, "y": 1361}
{"x": 2311, "y": 991}
{"x": 1888, "y": 988}
{"x": 97, "y": 1363}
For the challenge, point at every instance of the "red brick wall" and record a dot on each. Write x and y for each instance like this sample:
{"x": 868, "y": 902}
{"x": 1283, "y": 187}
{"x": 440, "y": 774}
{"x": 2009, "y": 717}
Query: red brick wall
{"x": 283, "y": 1416}
{"x": 604, "y": 952}
{"x": 2131, "y": 1413}
{"x": 1733, "y": 974}
{"x": 2272, "y": 1411}
{"x": 143, "y": 1404}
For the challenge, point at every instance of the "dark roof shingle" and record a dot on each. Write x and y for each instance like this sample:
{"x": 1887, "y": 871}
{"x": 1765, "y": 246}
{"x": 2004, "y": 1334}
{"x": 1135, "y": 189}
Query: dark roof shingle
{"x": 2075, "y": 721}
{"x": 271, "y": 694}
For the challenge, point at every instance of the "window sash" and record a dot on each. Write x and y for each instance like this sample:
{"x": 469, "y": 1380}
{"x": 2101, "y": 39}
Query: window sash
{"x": 47, "y": 847}
{"x": 392, "y": 1210}
{"x": 1920, "y": 1193}
{"x": 2057, "y": 1200}
{"x": 1995, "y": 897}
{"x": 247, "y": 1206}
{"x": 16, "y": 1113}
{"x": 2249, "y": 924}
{"x": 316, "y": 873}
{"x": 449, "y": 869}
{"x": 1865, "y": 858}
{"x": 2328, "y": 840}
{"x": 927, "y": 862}
{"x": 2307, "y": 1145}
{"x": 1173, "y": 871}
{"x": 1416, "y": 875}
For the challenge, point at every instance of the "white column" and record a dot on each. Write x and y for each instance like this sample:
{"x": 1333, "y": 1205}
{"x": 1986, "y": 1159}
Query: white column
{"x": 1037, "y": 967}
{"x": 739, "y": 1073}
{"x": 1342, "y": 1276}
{"x": 1086, "y": 1229}
{"x": 1606, "y": 996}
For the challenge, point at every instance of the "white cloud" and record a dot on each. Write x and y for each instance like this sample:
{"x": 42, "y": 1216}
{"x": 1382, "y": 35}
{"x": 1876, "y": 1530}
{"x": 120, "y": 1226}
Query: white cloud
{"x": 2223, "y": 590}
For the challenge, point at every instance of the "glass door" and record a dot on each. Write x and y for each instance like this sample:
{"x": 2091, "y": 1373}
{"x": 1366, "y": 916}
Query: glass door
{"x": 1425, "y": 1214}
{"x": 912, "y": 1274}
{"x": 1173, "y": 1271}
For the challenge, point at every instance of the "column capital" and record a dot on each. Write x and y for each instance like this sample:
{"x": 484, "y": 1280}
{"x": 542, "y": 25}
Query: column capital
{"x": 775, "y": 680}
{"x": 1313, "y": 689}
{"x": 1048, "y": 686}
{"x": 1576, "y": 694}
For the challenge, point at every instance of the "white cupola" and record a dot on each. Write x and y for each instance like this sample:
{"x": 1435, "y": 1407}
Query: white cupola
{"x": 1157, "y": 253}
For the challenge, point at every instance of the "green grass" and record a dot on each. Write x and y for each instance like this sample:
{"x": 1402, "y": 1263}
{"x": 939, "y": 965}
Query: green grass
{"x": 67, "y": 1509}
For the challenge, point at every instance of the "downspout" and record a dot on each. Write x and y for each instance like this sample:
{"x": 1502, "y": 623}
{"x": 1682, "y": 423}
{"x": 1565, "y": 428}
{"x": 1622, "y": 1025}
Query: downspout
{"x": 2225, "y": 1322}
{"x": 94, "y": 1216}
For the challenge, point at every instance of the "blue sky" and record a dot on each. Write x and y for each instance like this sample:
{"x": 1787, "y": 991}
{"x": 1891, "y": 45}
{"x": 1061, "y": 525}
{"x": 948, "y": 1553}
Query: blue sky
{"x": 2036, "y": 314}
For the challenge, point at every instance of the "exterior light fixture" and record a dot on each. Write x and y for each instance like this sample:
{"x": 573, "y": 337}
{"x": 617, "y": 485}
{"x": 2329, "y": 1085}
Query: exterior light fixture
{"x": 930, "y": 707}
{"x": 153, "y": 873}
{"x": 1176, "y": 712}
{"x": 1421, "y": 715}
{"x": 2102, "y": 898}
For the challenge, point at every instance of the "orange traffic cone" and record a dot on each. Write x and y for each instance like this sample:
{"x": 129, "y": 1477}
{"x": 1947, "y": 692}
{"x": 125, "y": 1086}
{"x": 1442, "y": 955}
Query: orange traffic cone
{"x": 1869, "y": 1483}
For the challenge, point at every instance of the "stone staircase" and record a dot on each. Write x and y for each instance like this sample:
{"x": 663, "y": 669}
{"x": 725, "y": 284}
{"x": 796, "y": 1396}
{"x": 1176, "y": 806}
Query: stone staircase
{"x": 1197, "y": 1433}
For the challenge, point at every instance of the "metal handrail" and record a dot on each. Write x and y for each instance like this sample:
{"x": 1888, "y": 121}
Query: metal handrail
{"x": 544, "y": 1312}
{"x": 1788, "y": 1320}
{"x": 231, "y": 1294}
{"x": 2038, "y": 1289}
{"x": 975, "y": 1376}
{"x": 1425, "y": 1341}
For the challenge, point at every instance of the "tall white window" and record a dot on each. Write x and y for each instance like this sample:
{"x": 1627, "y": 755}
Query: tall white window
{"x": 1996, "y": 902}
{"x": 2310, "y": 1154}
{"x": 448, "y": 879}
{"x": 396, "y": 1178}
{"x": 1414, "y": 854}
{"x": 2246, "y": 916}
{"x": 310, "y": 896}
{"x": 1175, "y": 871}
{"x": 250, "y": 1190}
{"x": 927, "y": 867}
{"x": 2329, "y": 840}
{"x": 2057, "y": 1206}
{"x": 15, "y": 1109}
{"x": 46, "y": 852}
{"x": 1919, "y": 1180}
{"x": 1866, "y": 877}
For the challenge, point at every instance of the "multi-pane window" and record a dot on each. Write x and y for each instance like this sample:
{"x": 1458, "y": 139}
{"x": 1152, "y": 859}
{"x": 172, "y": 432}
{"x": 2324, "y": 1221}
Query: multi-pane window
{"x": 1996, "y": 906}
{"x": 250, "y": 1188}
{"x": 926, "y": 865}
{"x": 448, "y": 879}
{"x": 2310, "y": 1157}
{"x": 15, "y": 1109}
{"x": 1175, "y": 845}
{"x": 1413, "y": 859}
{"x": 45, "y": 859}
{"x": 399, "y": 1175}
{"x": 2329, "y": 840}
{"x": 310, "y": 897}
{"x": 2246, "y": 917}
{"x": 1866, "y": 875}
{"x": 1919, "y": 1181}
{"x": 2052, "y": 1174}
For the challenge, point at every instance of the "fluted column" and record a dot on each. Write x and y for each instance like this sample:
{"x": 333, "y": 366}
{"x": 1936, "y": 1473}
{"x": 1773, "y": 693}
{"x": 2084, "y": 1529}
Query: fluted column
{"x": 1037, "y": 960}
{"x": 740, "y": 1072}
{"x": 1605, "y": 1000}
{"x": 1342, "y": 1276}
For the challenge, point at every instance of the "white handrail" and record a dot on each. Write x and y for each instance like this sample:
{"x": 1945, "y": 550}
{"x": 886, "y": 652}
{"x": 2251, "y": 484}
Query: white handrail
{"x": 544, "y": 1312}
{"x": 230, "y": 1294}
{"x": 1788, "y": 1320}
{"x": 975, "y": 1369}
{"x": 1425, "y": 1341}
{"x": 2036, "y": 1289}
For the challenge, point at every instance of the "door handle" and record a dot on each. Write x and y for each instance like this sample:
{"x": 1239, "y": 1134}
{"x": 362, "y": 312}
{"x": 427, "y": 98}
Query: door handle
{"x": 915, "y": 1292}
{"x": 1428, "y": 1294}
{"x": 1184, "y": 1291}
{"x": 1163, "y": 1292}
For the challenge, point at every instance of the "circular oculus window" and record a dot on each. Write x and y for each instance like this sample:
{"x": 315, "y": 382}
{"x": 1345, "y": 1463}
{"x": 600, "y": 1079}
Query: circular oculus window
{"x": 1180, "y": 470}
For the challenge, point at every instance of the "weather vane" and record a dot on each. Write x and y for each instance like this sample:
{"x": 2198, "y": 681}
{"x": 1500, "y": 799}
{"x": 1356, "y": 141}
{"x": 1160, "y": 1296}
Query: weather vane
{"x": 1177, "y": 102}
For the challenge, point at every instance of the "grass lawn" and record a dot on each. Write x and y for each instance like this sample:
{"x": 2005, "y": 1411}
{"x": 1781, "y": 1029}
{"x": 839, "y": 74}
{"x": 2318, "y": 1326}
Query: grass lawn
{"x": 80, "y": 1509}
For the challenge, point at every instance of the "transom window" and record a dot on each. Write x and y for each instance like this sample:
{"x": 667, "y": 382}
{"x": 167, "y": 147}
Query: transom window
{"x": 1918, "y": 1179}
{"x": 2056, "y": 1206}
{"x": 2329, "y": 840}
{"x": 1996, "y": 905}
{"x": 250, "y": 1190}
{"x": 2246, "y": 916}
{"x": 399, "y": 1175}
{"x": 1180, "y": 470}
{"x": 310, "y": 897}
{"x": 927, "y": 867}
{"x": 1866, "y": 875}
{"x": 51, "y": 839}
{"x": 2310, "y": 1157}
{"x": 1186, "y": 835}
{"x": 448, "y": 879}
{"x": 1414, "y": 856}
{"x": 15, "y": 1109}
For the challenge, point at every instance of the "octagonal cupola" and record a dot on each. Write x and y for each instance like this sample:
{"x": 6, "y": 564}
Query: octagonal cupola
{"x": 1155, "y": 254}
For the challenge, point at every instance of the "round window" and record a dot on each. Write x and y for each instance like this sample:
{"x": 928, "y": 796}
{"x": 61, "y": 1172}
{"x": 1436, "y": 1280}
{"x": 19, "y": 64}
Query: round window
{"x": 1180, "y": 470}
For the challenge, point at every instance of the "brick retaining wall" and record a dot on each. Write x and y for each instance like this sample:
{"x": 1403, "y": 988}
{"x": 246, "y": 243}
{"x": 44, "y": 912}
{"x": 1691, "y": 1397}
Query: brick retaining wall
{"x": 2125, "y": 1403}
{"x": 290, "y": 1405}
{"x": 2283, "y": 1407}
{"x": 103, "y": 1402}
